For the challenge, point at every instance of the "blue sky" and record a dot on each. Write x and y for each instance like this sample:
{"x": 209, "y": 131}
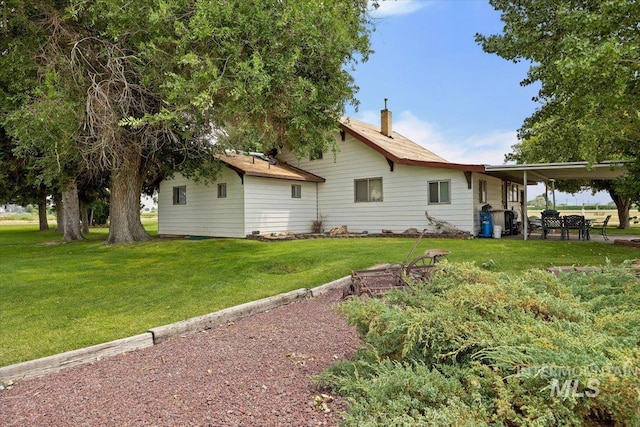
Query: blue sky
{"x": 445, "y": 92}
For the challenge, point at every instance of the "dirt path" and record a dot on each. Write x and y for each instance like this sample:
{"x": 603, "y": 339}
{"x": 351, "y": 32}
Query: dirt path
{"x": 255, "y": 372}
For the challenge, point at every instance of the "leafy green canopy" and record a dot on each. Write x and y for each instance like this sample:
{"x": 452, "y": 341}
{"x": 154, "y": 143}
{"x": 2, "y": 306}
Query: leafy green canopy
{"x": 478, "y": 348}
{"x": 249, "y": 71}
{"x": 159, "y": 77}
{"x": 585, "y": 54}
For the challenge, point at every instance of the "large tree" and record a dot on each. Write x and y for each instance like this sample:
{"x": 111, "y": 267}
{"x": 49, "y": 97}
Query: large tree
{"x": 38, "y": 110}
{"x": 160, "y": 80}
{"x": 585, "y": 54}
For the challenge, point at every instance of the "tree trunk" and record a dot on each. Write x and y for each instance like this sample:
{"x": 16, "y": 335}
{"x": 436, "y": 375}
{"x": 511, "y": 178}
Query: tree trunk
{"x": 71, "y": 212}
{"x": 624, "y": 205}
{"x": 42, "y": 213}
{"x": 84, "y": 217}
{"x": 124, "y": 209}
{"x": 59, "y": 213}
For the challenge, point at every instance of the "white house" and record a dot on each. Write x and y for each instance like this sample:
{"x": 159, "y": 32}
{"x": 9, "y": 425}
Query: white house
{"x": 376, "y": 180}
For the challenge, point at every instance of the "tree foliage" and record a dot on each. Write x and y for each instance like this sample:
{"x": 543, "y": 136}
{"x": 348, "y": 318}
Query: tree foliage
{"x": 585, "y": 55}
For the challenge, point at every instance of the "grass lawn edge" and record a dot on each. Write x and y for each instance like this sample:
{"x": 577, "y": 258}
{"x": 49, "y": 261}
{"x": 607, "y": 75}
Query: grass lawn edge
{"x": 57, "y": 362}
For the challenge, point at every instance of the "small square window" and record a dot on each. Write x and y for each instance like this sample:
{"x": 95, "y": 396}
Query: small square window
{"x": 482, "y": 188}
{"x": 368, "y": 190}
{"x": 222, "y": 190}
{"x": 296, "y": 191}
{"x": 439, "y": 192}
{"x": 180, "y": 195}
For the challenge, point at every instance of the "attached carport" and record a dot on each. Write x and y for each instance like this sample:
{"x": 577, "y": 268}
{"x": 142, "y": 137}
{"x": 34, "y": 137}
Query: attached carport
{"x": 531, "y": 174}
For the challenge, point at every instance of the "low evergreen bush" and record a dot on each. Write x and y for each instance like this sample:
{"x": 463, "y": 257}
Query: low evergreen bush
{"x": 473, "y": 347}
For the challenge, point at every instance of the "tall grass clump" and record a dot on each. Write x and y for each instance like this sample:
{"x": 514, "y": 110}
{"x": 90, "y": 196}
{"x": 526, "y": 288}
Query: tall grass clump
{"x": 477, "y": 348}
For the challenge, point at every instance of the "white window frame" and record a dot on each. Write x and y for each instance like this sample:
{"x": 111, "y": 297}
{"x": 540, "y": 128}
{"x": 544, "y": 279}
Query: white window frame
{"x": 439, "y": 183}
{"x": 296, "y": 191}
{"x": 180, "y": 195}
{"x": 222, "y": 190}
{"x": 371, "y": 197}
{"x": 482, "y": 191}
{"x": 513, "y": 193}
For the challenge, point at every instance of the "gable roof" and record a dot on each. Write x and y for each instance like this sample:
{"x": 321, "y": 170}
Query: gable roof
{"x": 252, "y": 165}
{"x": 399, "y": 149}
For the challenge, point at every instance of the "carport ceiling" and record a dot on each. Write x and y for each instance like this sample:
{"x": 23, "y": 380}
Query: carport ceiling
{"x": 544, "y": 172}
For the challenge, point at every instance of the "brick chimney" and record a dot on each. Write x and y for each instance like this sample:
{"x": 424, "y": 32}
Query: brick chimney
{"x": 385, "y": 120}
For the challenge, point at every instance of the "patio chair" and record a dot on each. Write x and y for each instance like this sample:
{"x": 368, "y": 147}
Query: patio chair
{"x": 574, "y": 222}
{"x": 534, "y": 223}
{"x": 551, "y": 220}
{"x": 602, "y": 226}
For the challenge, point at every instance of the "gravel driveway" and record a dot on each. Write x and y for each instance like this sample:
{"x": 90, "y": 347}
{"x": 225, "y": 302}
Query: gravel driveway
{"x": 255, "y": 372}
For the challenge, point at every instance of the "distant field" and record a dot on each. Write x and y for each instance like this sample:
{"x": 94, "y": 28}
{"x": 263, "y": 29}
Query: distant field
{"x": 594, "y": 214}
{"x": 32, "y": 218}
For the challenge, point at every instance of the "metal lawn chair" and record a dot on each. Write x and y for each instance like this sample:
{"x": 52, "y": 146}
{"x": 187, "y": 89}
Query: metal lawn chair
{"x": 602, "y": 226}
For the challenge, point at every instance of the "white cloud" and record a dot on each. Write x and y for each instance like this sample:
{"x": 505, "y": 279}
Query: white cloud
{"x": 489, "y": 148}
{"x": 396, "y": 7}
{"x": 476, "y": 149}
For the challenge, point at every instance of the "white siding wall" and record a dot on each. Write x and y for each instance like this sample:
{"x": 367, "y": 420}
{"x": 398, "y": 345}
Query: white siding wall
{"x": 405, "y": 192}
{"x": 204, "y": 214}
{"x": 270, "y": 207}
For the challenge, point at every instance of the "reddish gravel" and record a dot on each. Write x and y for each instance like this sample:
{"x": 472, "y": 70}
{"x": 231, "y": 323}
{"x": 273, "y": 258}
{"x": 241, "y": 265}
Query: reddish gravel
{"x": 255, "y": 372}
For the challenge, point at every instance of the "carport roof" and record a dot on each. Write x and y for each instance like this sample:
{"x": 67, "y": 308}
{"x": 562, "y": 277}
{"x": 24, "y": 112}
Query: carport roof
{"x": 544, "y": 172}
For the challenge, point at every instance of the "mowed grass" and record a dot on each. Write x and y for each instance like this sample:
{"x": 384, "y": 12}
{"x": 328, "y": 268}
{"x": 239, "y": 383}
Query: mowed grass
{"x": 57, "y": 296}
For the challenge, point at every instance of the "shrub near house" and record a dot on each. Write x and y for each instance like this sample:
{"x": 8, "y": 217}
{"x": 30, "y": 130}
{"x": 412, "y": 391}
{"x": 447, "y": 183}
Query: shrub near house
{"x": 479, "y": 348}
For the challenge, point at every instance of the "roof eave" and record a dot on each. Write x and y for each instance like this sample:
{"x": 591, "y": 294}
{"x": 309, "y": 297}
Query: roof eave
{"x": 443, "y": 165}
{"x": 304, "y": 175}
{"x": 288, "y": 178}
{"x": 411, "y": 162}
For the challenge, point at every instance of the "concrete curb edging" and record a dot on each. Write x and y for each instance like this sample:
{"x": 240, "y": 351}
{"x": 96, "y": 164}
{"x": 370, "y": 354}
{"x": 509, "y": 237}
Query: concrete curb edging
{"x": 208, "y": 321}
{"x": 57, "y": 362}
{"x": 323, "y": 289}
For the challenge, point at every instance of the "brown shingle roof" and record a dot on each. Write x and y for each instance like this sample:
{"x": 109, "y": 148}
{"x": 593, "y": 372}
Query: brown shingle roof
{"x": 256, "y": 166}
{"x": 398, "y": 148}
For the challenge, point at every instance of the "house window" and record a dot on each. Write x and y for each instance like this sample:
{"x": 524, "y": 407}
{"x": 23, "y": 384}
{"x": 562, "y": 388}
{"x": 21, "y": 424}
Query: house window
{"x": 296, "y": 191}
{"x": 222, "y": 190}
{"x": 482, "y": 188}
{"x": 180, "y": 195}
{"x": 439, "y": 192}
{"x": 514, "y": 193}
{"x": 368, "y": 190}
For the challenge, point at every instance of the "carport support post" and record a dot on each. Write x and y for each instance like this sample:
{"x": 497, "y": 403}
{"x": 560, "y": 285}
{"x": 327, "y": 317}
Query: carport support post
{"x": 525, "y": 215}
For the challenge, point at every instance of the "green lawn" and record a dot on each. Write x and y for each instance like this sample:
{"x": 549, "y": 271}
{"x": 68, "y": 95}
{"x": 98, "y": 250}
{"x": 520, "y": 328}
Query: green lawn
{"x": 56, "y": 296}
